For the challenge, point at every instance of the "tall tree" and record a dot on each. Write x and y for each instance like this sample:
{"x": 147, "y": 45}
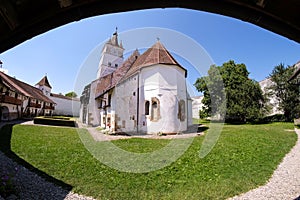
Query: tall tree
{"x": 213, "y": 90}
{"x": 71, "y": 94}
{"x": 244, "y": 100}
{"x": 287, "y": 93}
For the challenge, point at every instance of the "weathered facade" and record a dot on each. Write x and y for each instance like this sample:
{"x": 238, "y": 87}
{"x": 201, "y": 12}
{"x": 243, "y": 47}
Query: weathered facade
{"x": 273, "y": 101}
{"x": 145, "y": 94}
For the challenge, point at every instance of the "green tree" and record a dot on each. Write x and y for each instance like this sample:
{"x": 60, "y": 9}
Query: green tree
{"x": 287, "y": 93}
{"x": 243, "y": 97}
{"x": 214, "y": 99}
{"x": 71, "y": 94}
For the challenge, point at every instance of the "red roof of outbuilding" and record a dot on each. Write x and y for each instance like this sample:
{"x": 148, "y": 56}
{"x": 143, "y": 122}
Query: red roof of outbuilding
{"x": 24, "y": 88}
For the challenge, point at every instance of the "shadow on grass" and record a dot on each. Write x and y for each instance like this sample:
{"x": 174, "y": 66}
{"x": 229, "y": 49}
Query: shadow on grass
{"x": 202, "y": 129}
{"x": 5, "y": 147}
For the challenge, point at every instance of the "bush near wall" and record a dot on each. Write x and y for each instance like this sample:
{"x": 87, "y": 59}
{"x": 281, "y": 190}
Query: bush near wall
{"x": 60, "y": 121}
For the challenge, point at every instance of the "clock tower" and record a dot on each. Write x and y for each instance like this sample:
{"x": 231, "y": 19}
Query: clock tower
{"x": 111, "y": 56}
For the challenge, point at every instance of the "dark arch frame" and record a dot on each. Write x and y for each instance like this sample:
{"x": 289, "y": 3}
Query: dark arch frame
{"x": 4, "y": 113}
{"x": 23, "y": 19}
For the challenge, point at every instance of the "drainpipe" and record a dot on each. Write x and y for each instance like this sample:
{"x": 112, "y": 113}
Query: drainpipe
{"x": 138, "y": 102}
{"x": 187, "y": 107}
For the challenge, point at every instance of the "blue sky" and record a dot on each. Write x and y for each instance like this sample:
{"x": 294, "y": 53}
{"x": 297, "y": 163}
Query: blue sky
{"x": 61, "y": 52}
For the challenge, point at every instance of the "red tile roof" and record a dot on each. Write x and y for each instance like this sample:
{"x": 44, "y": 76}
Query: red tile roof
{"x": 111, "y": 80}
{"x": 44, "y": 82}
{"x": 24, "y": 88}
{"x": 157, "y": 54}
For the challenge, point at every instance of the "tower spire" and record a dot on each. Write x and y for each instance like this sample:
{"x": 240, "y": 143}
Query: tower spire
{"x": 114, "y": 39}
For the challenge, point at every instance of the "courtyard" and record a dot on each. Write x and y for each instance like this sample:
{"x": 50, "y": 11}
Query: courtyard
{"x": 243, "y": 159}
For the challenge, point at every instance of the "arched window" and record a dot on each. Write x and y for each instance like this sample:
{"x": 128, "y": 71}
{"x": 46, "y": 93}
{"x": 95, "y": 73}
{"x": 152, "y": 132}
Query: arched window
{"x": 155, "y": 109}
{"x": 147, "y": 107}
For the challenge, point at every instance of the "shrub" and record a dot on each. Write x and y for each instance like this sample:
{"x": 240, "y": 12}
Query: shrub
{"x": 54, "y": 121}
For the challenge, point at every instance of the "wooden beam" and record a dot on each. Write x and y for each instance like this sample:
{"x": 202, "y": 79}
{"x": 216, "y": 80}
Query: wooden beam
{"x": 9, "y": 14}
{"x": 65, "y": 3}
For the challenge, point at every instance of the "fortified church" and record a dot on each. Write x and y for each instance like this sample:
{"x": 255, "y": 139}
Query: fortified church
{"x": 146, "y": 93}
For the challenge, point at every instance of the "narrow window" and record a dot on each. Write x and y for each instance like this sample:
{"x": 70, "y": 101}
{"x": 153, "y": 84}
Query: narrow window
{"x": 147, "y": 106}
{"x": 109, "y": 64}
{"x": 116, "y": 65}
{"x": 155, "y": 109}
{"x": 181, "y": 110}
{"x": 109, "y": 99}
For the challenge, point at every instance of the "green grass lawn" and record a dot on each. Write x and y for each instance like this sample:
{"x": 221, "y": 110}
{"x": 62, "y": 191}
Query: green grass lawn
{"x": 243, "y": 158}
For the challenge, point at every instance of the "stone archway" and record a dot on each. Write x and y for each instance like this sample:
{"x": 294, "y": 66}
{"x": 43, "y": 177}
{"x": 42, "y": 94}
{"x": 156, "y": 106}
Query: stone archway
{"x": 21, "y": 20}
{"x": 4, "y": 113}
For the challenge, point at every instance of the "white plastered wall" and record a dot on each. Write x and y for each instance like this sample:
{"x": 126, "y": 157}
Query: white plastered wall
{"x": 167, "y": 84}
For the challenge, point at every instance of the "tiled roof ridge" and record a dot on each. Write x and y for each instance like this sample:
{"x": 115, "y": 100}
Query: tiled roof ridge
{"x": 169, "y": 55}
{"x": 14, "y": 85}
{"x": 156, "y": 54}
{"x": 19, "y": 86}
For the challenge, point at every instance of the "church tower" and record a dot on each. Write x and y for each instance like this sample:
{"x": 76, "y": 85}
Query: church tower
{"x": 44, "y": 86}
{"x": 111, "y": 56}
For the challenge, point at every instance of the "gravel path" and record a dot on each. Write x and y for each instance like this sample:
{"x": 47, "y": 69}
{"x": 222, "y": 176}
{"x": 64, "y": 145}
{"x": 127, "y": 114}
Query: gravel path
{"x": 31, "y": 186}
{"x": 285, "y": 181}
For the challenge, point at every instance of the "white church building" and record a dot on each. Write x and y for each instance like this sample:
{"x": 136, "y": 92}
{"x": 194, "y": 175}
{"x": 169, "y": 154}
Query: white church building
{"x": 147, "y": 93}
